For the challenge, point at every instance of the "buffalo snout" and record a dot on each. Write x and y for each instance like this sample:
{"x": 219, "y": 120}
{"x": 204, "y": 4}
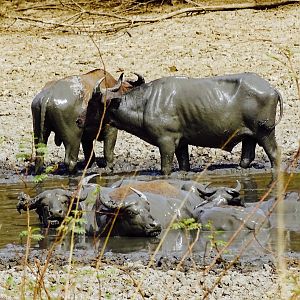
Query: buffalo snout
{"x": 57, "y": 214}
{"x": 153, "y": 228}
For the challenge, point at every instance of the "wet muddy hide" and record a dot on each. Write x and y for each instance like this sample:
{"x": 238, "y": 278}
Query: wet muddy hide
{"x": 143, "y": 208}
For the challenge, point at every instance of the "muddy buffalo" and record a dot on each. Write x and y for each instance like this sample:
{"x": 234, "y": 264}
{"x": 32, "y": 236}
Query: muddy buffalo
{"x": 219, "y": 112}
{"x": 143, "y": 208}
{"x": 62, "y": 107}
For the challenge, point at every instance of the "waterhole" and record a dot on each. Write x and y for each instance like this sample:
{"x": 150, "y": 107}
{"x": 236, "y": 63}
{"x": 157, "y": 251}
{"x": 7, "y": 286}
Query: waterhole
{"x": 254, "y": 186}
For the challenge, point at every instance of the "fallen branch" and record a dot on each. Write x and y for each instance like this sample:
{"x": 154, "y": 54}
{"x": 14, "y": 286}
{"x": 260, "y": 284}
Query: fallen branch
{"x": 125, "y": 22}
{"x": 44, "y": 22}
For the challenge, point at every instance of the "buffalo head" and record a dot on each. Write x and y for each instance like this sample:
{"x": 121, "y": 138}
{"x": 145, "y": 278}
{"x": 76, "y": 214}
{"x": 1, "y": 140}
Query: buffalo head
{"x": 140, "y": 80}
{"x": 134, "y": 217}
{"x": 221, "y": 195}
{"x": 51, "y": 205}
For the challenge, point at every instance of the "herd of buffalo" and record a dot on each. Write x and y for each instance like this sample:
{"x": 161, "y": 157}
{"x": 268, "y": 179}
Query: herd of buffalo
{"x": 170, "y": 113}
{"x": 145, "y": 208}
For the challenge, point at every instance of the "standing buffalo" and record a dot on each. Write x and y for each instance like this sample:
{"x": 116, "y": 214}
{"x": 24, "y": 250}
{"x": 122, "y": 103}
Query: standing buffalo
{"x": 62, "y": 107}
{"x": 219, "y": 112}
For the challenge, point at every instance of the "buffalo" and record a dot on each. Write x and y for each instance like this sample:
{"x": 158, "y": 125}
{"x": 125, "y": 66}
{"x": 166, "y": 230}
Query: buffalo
{"x": 52, "y": 206}
{"x": 143, "y": 208}
{"x": 62, "y": 106}
{"x": 218, "y": 112}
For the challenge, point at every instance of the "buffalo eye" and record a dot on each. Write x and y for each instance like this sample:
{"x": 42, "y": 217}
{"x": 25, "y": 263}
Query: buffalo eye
{"x": 132, "y": 213}
{"x": 79, "y": 123}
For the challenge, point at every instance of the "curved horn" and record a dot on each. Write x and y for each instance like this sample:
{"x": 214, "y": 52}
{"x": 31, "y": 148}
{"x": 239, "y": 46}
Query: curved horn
{"x": 115, "y": 88}
{"x": 97, "y": 87}
{"x": 238, "y": 186}
{"x": 107, "y": 201}
{"x": 117, "y": 184}
{"x": 86, "y": 180}
{"x": 25, "y": 202}
{"x": 206, "y": 191}
{"x": 75, "y": 194}
{"x": 140, "y": 80}
{"x": 139, "y": 193}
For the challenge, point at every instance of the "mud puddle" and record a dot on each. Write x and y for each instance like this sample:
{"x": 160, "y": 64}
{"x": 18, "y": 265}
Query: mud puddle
{"x": 254, "y": 186}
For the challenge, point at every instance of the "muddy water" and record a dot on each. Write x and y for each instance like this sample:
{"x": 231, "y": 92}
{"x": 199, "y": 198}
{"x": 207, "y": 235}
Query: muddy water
{"x": 253, "y": 187}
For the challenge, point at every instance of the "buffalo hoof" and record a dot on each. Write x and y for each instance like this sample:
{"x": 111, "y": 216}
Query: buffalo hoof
{"x": 101, "y": 162}
{"x": 245, "y": 163}
{"x": 108, "y": 169}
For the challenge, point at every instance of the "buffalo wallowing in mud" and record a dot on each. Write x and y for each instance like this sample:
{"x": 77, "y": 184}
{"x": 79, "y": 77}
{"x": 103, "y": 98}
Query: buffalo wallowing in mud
{"x": 143, "y": 208}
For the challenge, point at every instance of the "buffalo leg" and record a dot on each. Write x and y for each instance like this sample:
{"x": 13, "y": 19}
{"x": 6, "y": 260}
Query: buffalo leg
{"x": 39, "y": 152}
{"x": 167, "y": 151}
{"x": 182, "y": 155}
{"x": 110, "y": 138}
{"x": 269, "y": 144}
{"x": 248, "y": 151}
{"x": 71, "y": 154}
{"x": 87, "y": 147}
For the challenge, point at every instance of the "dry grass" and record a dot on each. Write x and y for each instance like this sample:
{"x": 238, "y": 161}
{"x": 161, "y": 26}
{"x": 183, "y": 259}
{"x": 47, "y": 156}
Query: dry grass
{"x": 125, "y": 6}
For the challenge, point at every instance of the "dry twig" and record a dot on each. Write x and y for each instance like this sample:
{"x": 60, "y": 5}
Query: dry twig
{"x": 125, "y": 22}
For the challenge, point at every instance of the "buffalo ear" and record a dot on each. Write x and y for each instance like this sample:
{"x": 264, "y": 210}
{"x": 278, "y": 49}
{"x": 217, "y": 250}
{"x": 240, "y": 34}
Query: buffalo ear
{"x": 25, "y": 202}
{"x": 106, "y": 200}
{"x": 81, "y": 196}
{"x": 204, "y": 193}
{"x": 115, "y": 102}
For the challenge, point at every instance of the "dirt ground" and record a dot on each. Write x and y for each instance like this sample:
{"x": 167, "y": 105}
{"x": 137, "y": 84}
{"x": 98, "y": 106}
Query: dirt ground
{"x": 199, "y": 45}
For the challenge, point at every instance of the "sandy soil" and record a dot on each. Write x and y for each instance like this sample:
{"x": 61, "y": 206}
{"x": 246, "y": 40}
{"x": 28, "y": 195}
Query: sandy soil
{"x": 202, "y": 45}
{"x": 199, "y": 45}
{"x": 165, "y": 276}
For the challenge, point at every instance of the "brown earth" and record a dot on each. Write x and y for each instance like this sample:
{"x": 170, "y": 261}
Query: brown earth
{"x": 199, "y": 45}
{"x": 196, "y": 45}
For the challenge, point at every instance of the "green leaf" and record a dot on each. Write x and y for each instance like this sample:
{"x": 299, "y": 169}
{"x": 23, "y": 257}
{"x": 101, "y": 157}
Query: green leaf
{"x": 188, "y": 224}
{"x": 81, "y": 221}
{"x": 33, "y": 233}
{"x": 40, "y": 178}
{"x": 41, "y": 148}
{"x": 79, "y": 230}
{"x": 50, "y": 169}
{"x": 23, "y": 233}
{"x": 23, "y": 156}
{"x": 37, "y": 237}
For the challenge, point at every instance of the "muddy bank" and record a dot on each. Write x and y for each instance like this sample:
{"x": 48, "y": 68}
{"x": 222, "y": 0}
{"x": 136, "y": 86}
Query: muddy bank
{"x": 202, "y": 45}
{"x": 120, "y": 275}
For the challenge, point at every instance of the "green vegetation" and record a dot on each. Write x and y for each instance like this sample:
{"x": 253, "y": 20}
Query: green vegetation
{"x": 25, "y": 153}
{"x": 32, "y": 233}
{"x": 73, "y": 223}
{"x": 187, "y": 224}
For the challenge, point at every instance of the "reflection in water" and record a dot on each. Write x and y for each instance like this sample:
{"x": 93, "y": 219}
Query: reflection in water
{"x": 253, "y": 187}
{"x": 293, "y": 240}
{"x": 114, "y": 244}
